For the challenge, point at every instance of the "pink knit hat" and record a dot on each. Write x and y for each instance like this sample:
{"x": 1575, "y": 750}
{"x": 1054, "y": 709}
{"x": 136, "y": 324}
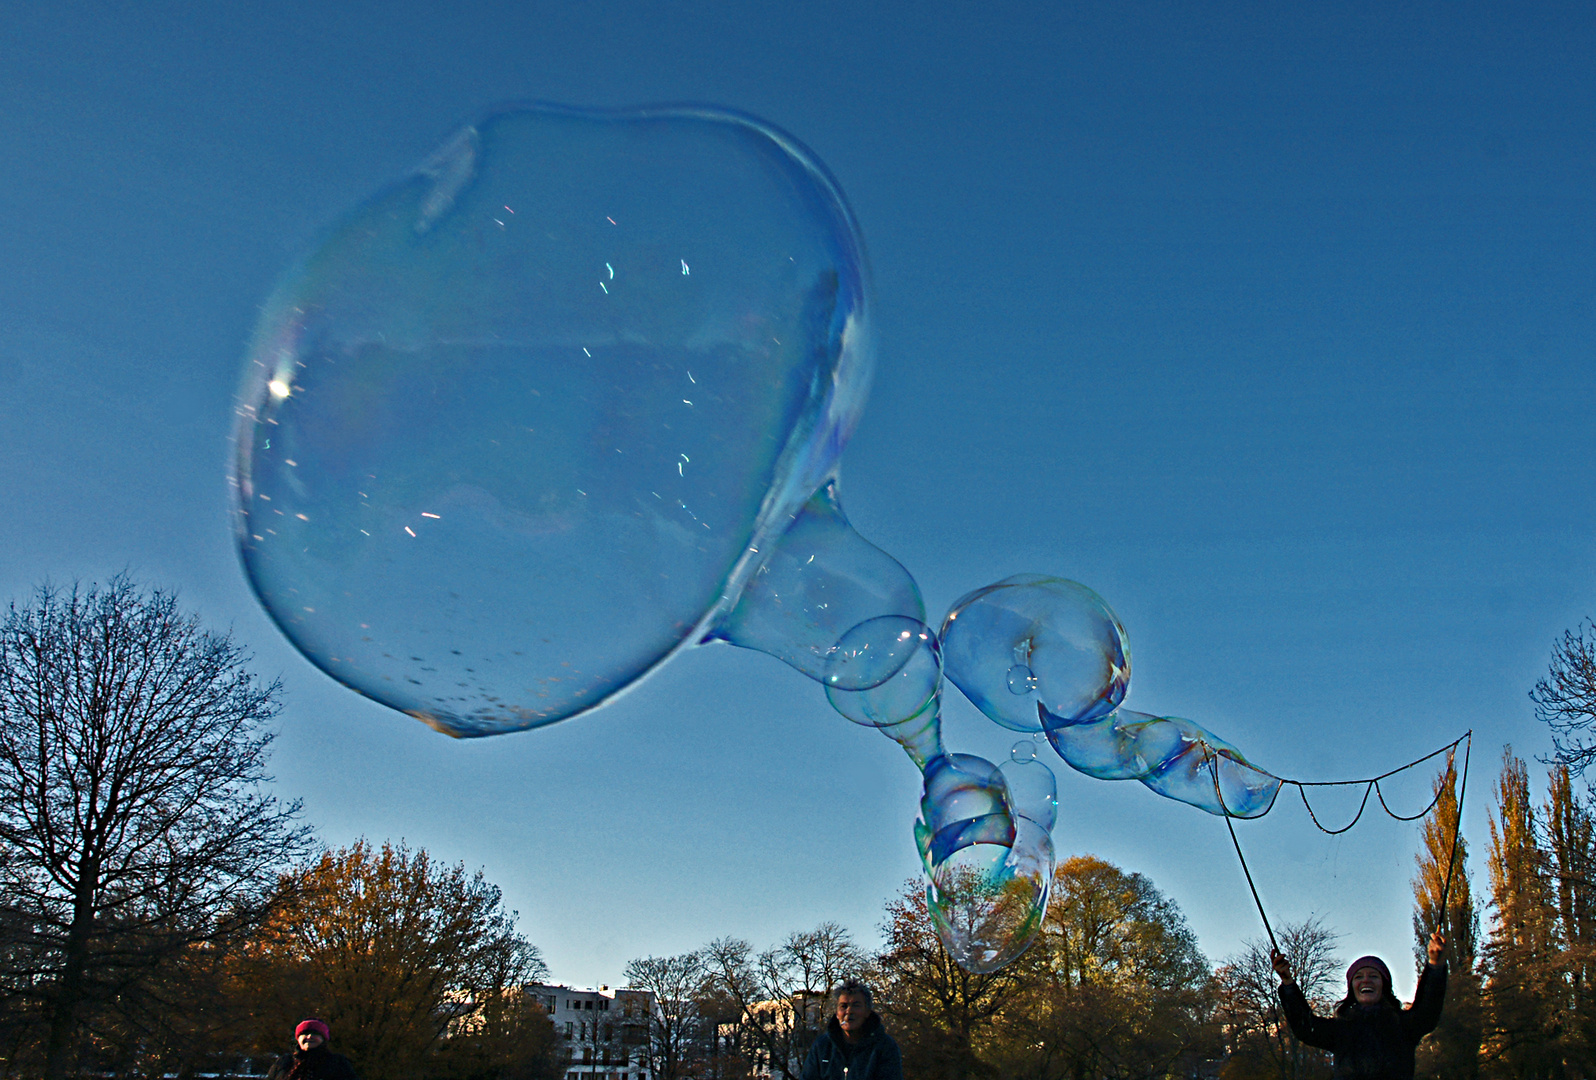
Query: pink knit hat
{"x": 319, "y": 1027}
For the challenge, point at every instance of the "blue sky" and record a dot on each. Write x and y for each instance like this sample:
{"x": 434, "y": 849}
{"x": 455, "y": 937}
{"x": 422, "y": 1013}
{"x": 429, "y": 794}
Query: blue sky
{"x": 1271, "y": 324}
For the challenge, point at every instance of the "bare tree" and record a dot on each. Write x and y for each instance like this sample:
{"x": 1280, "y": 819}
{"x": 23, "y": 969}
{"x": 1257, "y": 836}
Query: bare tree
{"x": 677, "y": 983}
{"x": 1566, "y": 698}
{"x": 781, "y": 993}
{"x": 133, "y": 824}
{"x": 1250, "y": 1001}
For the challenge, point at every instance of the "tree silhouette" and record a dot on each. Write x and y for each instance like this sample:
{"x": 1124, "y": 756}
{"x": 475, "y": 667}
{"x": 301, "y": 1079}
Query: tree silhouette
{"x": 133, "y": 826}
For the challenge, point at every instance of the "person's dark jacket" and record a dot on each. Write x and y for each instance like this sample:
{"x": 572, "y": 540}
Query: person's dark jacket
{"x": 874, "y": 1057}
{"x": 1370, "y": 1042}
{"x": 317, "y": 1064}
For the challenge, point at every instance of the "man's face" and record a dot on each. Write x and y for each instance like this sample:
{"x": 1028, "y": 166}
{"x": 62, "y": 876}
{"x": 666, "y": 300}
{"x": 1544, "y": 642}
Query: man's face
{"x": 309, "y": 1040}
{"x": 851, "y": 1014}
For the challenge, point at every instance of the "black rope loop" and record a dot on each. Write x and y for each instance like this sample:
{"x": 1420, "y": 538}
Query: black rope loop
{"x": 1211, "y": 759}
{"x": 1303, "y": 791}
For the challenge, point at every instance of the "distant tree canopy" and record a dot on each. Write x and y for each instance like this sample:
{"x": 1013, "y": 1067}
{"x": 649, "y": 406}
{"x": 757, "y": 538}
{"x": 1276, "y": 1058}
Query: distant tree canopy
{"x": 134, "y": 827}
{"x": 401, "y": 956}
{"x": 1115, "y": 987}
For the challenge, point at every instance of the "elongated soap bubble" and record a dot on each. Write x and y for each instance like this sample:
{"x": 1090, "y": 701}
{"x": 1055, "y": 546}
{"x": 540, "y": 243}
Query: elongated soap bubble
{"x": 1032, "y": 642}
{"x": 519, "y": 426}
{"x": 987, "y": 901}
{"x": 819, "y": 579}
{"x": 1174, "y": 757}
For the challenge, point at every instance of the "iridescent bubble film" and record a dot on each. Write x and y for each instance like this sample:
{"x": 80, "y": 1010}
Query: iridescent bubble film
{"x": 571, "y": 397}
{"x": 884, "y": 671}
{"x": 1176, "y": 758}
{"x": 516, "y": 428}
{"x": 1031, "y": 643}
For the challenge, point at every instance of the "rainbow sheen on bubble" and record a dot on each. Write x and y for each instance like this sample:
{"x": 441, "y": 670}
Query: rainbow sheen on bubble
{"x": 1031, "y": 643}
{"x": 571, "y": 397}
{"x": 884, "y": 671}
{"x": 517, "y": 427}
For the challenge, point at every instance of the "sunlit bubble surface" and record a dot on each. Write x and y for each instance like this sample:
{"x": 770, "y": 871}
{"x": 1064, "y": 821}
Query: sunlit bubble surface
{"x": 884, "y": 671}
{"x": 517, "y": 428}
{"x": 987, "y": 901}
{"x": 1032, "y": 642}
{"x": 1174, "y": 757}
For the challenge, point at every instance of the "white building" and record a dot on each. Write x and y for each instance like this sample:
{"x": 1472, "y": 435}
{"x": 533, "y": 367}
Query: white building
{"x": 603, "y": 1032}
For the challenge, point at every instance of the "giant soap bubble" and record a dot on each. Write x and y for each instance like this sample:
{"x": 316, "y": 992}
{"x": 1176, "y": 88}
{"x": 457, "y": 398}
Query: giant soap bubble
{"x": 519, "y": 426}
{"x": 570, "y": 398}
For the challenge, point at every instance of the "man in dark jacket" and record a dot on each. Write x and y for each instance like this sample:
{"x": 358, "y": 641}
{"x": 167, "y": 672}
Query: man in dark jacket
{"x": 312, "y": 1060}
{"x": 854, "y": 1045}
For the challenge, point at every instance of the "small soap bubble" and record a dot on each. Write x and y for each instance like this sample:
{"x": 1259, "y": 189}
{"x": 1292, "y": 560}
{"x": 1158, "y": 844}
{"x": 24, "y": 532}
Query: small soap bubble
{"x": 1032, "y": 788}
{"x": 1023, "y": 751}
{"x": 884, "y": 671}
{"x": 876, "y": 650}
{"x": 1022, "y": 680}
{"x": 499, "y": 454}
{"x": 1070, "y": 650}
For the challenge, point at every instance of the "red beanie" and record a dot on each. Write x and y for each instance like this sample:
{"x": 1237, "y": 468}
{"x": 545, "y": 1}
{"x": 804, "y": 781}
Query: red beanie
{"x": 314, "y": 1025}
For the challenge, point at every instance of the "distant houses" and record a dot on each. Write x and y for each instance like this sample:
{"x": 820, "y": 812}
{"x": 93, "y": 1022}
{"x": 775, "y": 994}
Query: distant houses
{"x": 603, "y": 1033}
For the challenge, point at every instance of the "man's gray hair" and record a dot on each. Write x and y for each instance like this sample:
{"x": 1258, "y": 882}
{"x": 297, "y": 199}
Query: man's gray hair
{"x": 857, "y": 988}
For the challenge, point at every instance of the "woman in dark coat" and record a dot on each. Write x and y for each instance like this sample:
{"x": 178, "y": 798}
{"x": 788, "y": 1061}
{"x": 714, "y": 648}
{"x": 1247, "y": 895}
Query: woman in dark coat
{"x": 1371, "y": 1035}
{"x": 312, "y": 1060}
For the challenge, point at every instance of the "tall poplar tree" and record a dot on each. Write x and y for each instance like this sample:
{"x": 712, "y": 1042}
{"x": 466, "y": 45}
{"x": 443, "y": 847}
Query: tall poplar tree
{"x": 1452, "y": 1053}
{"x": 1570, "y": 831}
{"x": 1518, "y": 1033}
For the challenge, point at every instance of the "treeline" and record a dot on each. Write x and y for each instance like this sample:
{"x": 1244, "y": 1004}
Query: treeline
{"x": 417, "y": 967}
{"x": 1115, "y": 986}
{"x": 162, "y": 914}
{"x": 1521, "y": 1005}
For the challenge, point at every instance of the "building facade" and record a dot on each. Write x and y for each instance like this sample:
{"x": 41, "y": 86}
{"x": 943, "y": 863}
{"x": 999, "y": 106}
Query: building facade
{"x": 603, "y": 1033}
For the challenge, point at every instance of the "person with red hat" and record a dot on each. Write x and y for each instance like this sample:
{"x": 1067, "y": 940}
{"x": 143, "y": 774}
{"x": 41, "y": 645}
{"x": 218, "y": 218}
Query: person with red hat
{"x": 1372, "y": 1035}
{"x": 312, "y": 1060}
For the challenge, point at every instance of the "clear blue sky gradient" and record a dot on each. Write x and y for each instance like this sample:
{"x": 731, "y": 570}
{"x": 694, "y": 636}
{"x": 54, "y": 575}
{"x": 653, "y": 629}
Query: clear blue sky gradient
{"x": 1274, "y": 324}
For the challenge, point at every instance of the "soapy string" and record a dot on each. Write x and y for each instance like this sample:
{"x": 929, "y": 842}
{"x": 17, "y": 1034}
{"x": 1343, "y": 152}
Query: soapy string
{"x": 1370, "y": 784}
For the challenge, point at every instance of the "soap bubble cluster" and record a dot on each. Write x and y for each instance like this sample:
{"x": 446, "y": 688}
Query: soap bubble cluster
{"x": 570, "y": 398}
